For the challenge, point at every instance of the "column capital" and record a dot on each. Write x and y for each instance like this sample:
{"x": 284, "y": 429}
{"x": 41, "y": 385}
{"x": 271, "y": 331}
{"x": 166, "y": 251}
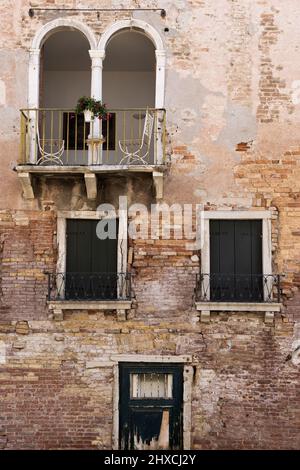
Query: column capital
{"x": 33, "y": 51}
{"x": 160, "y": 57}
{"x": 97, "y": 54}
{"x": 34, "y": 56}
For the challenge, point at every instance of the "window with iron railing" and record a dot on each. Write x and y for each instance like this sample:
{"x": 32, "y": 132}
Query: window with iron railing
{"x": 236, "y": 264}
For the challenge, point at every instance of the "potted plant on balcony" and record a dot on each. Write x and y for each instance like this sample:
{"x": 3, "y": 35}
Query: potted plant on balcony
{"x": 91, "y": 108}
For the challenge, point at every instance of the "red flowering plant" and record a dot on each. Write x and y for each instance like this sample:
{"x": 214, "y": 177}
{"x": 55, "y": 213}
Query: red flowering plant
{"x": 98, "y": 109}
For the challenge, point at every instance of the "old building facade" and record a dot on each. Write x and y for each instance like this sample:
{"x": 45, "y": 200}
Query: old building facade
{"x": 156, "y": 340}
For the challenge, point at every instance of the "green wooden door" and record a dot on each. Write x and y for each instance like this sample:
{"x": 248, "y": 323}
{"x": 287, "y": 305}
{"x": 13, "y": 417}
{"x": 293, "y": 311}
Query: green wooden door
{"x": 151, "y": 406}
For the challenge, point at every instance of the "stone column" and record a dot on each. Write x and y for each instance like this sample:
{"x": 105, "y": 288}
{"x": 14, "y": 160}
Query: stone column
{"x": 159, "y": 103}
{"x": 160, "y": 79}
{"x": 95, "y": 151}
{"x": 33, "y": 101}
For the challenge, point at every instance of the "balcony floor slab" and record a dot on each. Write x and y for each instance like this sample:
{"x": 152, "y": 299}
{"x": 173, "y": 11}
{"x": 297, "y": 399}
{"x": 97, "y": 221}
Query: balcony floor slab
{"x": 83, "y": 169}
{"x": 26, "y": 172}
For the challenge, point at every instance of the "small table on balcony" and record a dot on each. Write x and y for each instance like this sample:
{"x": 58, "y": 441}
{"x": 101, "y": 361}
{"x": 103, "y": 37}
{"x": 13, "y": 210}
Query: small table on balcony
{"x": 94, "y": 144}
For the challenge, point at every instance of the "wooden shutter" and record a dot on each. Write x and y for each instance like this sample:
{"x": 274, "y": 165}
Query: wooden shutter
{"x": 91, "y": 266}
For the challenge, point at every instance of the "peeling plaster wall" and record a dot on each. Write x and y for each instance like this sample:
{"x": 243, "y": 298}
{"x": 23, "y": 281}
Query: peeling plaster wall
{"x": 233, "y": 143}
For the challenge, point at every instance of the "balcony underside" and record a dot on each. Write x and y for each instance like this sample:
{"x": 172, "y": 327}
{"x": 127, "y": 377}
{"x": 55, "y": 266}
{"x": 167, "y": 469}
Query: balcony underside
{"x": 89, "y": 172}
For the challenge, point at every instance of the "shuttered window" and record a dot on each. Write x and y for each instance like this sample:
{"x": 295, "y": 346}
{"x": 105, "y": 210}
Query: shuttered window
{"x": 91, "y": 265}
{"x": 236, "y": 260}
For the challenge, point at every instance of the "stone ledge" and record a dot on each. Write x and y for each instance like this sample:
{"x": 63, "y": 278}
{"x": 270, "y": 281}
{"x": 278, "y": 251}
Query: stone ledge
{"x": 151, "y": 358}
{"x": 268, "y": 308}
{"x": 58, "y": 306}
{"x": 85, "y": 169}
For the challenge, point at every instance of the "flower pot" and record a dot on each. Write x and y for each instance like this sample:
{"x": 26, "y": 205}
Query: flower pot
{"x": 88, "y": 115}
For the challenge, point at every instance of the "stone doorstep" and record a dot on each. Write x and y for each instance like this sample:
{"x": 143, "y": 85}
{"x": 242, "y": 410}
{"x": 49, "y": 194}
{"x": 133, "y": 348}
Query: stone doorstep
{"x": 269, "y": 309}
{"x": 58, "y": 307}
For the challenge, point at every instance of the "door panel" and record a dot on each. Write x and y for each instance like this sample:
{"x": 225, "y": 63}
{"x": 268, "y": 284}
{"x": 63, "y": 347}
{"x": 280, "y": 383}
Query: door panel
{"x": 91, "y": 265}
{"x": 151, "y": 428}
{"x": 150, "y": 416}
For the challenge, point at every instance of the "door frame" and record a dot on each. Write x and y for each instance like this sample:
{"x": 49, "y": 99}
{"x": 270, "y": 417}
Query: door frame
{"x": 62, "y": 217}
{"x": 188, "y": 373}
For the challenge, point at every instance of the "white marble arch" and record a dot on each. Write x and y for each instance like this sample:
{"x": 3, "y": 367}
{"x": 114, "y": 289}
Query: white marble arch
{"x": 153, "y": 35}
{"x": 40, "y": 37}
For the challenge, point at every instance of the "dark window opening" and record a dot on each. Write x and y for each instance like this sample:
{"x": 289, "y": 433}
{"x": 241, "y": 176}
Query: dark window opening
{"x": 75, "y": 131}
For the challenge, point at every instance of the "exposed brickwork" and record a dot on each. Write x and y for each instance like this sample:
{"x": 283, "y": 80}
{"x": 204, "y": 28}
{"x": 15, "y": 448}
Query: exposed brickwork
{"x": 27, "y": 253}
{"x": 243, "y": 383}
{"x": 272, "y": 97}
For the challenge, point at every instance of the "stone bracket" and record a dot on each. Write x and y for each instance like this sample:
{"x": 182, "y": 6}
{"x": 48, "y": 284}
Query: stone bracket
{"x": 121, "y": 314}
{"x": 205, "y": 316}
{"x": 158, "y": 180}
{"x": 26, "y": 183}
{"x": 58, "y": 314}
{"x": 269, "y": 317}
{"x": 91, "y": 185}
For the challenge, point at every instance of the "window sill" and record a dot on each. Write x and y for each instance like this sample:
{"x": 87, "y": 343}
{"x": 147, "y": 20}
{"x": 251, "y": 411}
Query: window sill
{"x": 57, "y": 307}
{"x": 268, "y": 308}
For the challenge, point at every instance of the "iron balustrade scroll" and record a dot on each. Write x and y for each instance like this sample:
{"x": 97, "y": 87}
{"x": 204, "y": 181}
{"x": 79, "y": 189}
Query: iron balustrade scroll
{"x": 89, "y": 286}
{"x": 123, "y": 137}
{"x": 220, "y": 287}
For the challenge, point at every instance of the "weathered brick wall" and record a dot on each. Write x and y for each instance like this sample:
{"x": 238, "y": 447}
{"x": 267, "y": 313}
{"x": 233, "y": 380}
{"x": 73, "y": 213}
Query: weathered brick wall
{"x": 245, "y": 391}
{"x": 27, "y": 252}
{"x": 233, "y": 143}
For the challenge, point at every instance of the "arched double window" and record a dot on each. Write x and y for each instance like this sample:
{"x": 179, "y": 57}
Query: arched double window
{"x": 126, "y": 70}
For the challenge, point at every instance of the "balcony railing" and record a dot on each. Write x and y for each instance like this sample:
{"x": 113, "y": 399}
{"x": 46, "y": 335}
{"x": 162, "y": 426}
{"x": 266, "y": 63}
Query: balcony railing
{"x": 124, "y": 137}
{"x": 218, "y": 287}
{"x": 89, "y": 286}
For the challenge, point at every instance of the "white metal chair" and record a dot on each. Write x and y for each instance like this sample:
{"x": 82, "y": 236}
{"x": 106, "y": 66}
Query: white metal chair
{"x": 50, "y": 150}
{"x": 141, "y": 145}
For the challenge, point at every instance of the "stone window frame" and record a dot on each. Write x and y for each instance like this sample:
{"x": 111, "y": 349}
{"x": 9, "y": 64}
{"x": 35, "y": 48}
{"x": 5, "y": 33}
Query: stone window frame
{"x": 266, "y": 217}
{"x": 188, "y": 373}
{"x": 120, "y": 305}
{"x": 62, "y": 217}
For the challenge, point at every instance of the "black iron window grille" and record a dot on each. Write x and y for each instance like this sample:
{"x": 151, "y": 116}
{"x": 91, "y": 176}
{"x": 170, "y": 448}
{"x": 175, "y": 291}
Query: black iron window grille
{"x": 219, "y": 287}
{"x": 89, "y": 286}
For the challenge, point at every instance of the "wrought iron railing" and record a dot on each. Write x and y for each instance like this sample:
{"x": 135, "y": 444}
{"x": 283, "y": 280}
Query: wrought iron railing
{"x": 89, "y": 286}
{"x": 123, "y": 137}
{"x": 219, "y": 287}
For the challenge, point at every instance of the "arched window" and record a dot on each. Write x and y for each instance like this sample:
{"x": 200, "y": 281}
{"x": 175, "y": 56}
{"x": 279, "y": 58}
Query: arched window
{"x": 126, "y": 70}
